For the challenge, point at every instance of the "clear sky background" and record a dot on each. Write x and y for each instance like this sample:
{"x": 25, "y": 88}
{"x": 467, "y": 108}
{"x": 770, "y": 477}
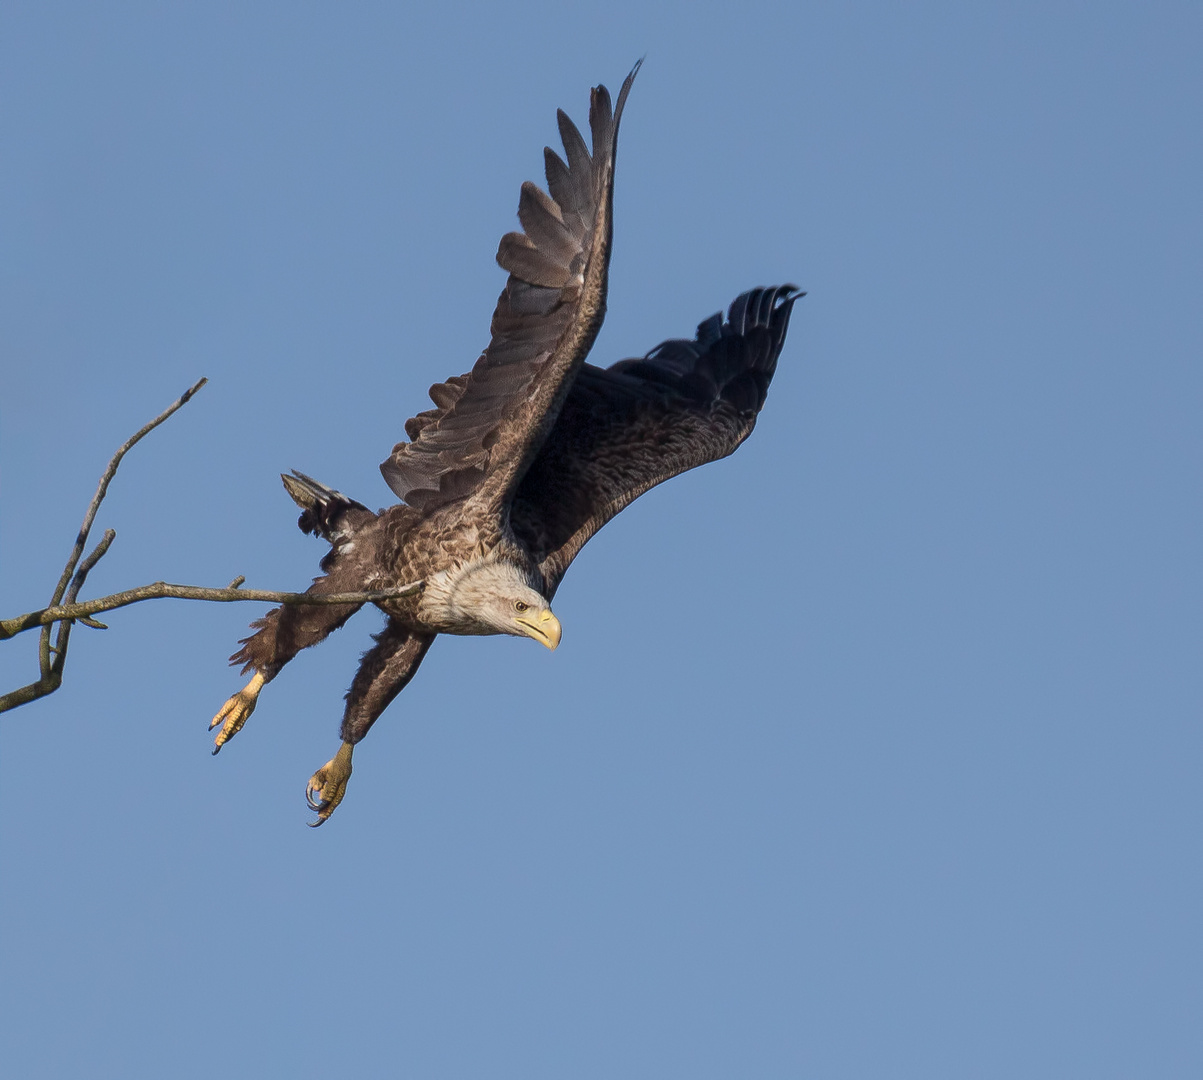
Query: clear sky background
{"x": 871, "y": 751}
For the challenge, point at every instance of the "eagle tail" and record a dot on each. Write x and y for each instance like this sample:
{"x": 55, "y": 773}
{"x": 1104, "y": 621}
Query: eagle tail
{"x": 324, "y": 511}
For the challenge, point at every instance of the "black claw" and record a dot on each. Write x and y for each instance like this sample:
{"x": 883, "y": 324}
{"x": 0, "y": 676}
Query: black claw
{"x": 215, "y": 750}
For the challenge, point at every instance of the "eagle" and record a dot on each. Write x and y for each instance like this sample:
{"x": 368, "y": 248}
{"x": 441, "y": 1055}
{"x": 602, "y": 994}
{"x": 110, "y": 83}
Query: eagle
{"x": 522, "y": 459}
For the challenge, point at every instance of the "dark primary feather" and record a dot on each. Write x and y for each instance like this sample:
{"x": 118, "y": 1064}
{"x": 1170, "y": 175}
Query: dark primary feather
{"x": 488, "y": 425}
{"x": 631, "y": 426}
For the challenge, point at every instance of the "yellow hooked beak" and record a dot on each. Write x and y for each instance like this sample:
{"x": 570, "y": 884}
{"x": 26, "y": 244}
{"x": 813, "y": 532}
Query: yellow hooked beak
{"x": 543, "y": 627}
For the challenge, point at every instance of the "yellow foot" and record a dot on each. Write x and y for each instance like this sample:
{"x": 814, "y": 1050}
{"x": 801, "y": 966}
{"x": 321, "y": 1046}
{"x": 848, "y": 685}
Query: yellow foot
{"x": 328, "y": 785}
{"x": 235, "y": 712}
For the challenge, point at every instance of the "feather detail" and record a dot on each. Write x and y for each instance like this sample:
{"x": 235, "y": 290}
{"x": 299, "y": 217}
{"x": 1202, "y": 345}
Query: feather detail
{"x": 488, "y": 425}
{"x": 629, "y": 427}
{"x": 324, "y": 512}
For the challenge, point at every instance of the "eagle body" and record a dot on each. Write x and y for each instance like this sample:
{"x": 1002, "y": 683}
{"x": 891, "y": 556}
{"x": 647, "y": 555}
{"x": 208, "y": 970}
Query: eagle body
{"x": 523, "y": 458}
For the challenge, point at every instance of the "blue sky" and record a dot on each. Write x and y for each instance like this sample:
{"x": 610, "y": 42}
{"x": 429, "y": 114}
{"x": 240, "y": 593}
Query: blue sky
{"x": 870, "y": 751}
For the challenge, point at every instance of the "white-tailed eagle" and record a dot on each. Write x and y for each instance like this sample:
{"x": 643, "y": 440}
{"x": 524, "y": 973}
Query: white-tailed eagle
{"x": 523, "y": 458}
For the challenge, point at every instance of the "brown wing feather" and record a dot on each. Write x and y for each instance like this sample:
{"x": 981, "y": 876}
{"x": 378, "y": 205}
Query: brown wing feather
{"x": 489, "y": 424}
{"x": 629, "y": 427}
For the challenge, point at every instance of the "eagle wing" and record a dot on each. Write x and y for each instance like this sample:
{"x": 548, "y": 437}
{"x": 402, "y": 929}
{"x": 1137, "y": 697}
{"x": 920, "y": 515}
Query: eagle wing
{"x": 626, "y": 428}
{"x": 488, "y": 425}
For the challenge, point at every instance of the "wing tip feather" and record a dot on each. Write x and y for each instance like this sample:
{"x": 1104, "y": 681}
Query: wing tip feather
{"x": 548, "y": 264}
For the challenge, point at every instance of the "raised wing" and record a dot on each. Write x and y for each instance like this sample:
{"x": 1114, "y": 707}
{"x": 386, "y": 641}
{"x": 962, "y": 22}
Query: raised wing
{"x": 488, "y": 425}
{"x": 629, "y": 427}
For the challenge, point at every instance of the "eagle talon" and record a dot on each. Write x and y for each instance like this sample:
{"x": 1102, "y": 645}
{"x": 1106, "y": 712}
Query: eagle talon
{"x": 328, "y": 785}
{"x": 236, "y": 711}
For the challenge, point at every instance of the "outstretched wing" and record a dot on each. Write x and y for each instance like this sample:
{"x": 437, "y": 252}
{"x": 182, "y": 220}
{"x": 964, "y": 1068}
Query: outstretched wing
{"x": 488, "y": 425}
{"x": 629, "y": 427}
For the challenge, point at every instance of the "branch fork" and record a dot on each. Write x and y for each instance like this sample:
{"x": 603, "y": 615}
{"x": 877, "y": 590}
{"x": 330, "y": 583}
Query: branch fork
{"x": 65, "y": 609}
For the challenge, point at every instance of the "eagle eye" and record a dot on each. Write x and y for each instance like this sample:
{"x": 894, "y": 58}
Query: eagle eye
{"x": 519, "y": 606}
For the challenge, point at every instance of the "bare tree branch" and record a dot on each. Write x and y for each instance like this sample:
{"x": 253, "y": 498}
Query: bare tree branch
{"x": 64, "y": 609}
{"x": 160, "y": 590}
{"x": 163, "y": 589}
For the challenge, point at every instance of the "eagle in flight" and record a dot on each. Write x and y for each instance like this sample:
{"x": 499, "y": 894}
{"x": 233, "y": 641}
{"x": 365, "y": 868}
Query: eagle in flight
{"x": 523, "y": 458}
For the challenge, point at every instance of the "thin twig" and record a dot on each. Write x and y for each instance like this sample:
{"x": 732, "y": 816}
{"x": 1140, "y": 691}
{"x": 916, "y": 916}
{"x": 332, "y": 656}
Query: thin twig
{"x": 50, "y": 679}
{"x": 77, "y": 581}
{"x": 103, "y": 487}
{"x": 160, "y": 590}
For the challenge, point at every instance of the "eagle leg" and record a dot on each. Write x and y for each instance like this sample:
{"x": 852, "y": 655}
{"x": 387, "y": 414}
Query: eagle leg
{"x": 328, "y": 785}
{"x": 235, "y": 712}
{"x": 279, "y": 636}
{"x": 383, "y": 673}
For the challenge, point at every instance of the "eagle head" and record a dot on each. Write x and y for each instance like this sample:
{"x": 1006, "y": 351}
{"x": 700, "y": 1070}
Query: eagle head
{"x": 492, "y": 598}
